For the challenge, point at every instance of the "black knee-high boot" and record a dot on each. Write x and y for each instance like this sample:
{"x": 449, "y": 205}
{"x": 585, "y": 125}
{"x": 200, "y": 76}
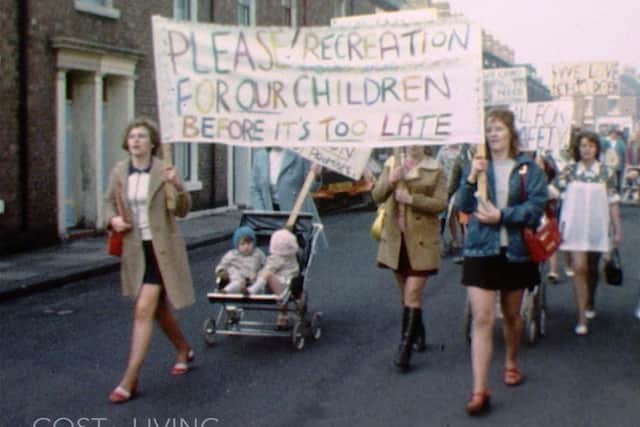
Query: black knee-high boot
{"x": 420, "y": 342}
{"x": 405, "y": 317}
{"x": 403, "y": 356}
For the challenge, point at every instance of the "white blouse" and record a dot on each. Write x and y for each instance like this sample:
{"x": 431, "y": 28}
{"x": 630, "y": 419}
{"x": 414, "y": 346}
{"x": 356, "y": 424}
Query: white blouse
{"x": 502, "y": 169}
{"x": 137, "y": 194}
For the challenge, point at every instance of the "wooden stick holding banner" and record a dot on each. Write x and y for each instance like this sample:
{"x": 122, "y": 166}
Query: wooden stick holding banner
{"x": 481, "y": 151}
{"x": 482, "y": 176}
{"x": 170, "y": 189}
{"x": 306, "y": 186}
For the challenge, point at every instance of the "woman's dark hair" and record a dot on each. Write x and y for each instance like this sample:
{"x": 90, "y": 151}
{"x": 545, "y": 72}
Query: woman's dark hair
{"x": 151, "y": 127}
{"x": 507, "y": 118}
{"x": 589, "y": 136}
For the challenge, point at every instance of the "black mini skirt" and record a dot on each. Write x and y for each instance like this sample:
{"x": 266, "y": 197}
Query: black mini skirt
{"x": 497, "y": 273}
{"x": 151, "y": 271}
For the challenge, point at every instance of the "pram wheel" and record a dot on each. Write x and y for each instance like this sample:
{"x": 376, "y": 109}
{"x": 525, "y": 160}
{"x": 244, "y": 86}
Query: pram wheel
{"x": 209, "y": 331}
{"x": 298, "y": 335}
{"x": 542, "y": 323}
{"x": 316, "y": 329}
{"x": 534, "y": 314}
{"x": 531, "y": 330}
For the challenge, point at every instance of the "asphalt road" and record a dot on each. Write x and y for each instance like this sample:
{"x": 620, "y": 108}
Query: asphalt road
{"x": 64, "y": 350}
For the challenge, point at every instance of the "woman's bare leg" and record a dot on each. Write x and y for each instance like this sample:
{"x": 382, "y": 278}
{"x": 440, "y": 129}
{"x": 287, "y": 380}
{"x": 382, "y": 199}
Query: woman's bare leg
{"x": 171, "y": 329}
{"x": 512, "y": 325}
{"x": 483, "y": 314}
{"x": 581, "y": 269}
{"x": 413, "y": 291}
{"x": 144, "y": 312}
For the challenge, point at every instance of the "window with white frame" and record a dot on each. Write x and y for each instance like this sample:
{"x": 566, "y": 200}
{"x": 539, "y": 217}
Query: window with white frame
{"x": 182, "y": 10}
{"x": 97, "y": 7}
{"x": 244, "y": 12}
{"x": 185, "y": 155}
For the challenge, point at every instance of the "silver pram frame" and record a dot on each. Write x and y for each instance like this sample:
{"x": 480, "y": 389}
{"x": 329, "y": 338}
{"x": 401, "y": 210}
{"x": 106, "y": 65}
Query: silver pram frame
{"x": 232, "y": 317}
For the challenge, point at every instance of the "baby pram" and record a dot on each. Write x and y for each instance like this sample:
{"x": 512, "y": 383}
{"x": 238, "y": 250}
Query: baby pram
{"x": 230, "y": 319}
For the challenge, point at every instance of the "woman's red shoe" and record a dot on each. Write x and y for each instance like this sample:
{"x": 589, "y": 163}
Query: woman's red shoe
{"x": 122, "y": 395}
{"x": 181, "y": 368}
{"x": 479, "y": 403}
{"x": 512, "y": 377}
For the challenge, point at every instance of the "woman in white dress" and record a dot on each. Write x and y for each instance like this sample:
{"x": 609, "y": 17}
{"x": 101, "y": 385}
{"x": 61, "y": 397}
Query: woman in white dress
{"x": 590, "y": 207}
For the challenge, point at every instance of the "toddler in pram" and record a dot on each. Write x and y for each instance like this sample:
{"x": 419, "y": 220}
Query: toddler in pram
{"x": 240, "y": 265}
{"x": 279, "y": 287}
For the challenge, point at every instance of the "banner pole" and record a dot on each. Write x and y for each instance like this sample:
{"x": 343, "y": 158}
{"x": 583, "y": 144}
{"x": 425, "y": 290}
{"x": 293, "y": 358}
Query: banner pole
{"x": 306, "y": 186}
{"x": 170, "y": 189}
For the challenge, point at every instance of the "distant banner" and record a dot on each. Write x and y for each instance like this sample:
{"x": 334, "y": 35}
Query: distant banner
{"x": 318, "y": 86}
{"x": 604, "y": 124}
{"x": 346, "y": 161}
{"x": 410, "y": 16}
{"x": 543, "y": 126}
{"x": 587, "y": 79}
{"x": 503, "y": 86}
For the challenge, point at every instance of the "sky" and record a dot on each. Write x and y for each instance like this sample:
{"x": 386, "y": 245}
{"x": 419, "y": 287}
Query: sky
{"x": 546, "y": 32}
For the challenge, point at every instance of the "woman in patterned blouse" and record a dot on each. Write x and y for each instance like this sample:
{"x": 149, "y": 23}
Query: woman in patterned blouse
{"x": 590, "y": 205}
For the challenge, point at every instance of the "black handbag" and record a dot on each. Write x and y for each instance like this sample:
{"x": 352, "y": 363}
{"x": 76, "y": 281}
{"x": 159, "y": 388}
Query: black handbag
{"x": 613, "y": 269}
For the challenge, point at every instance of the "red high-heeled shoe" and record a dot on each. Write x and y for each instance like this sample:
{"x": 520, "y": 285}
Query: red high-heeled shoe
{"x": 512, "y": 377}
{"x": 181, "y": 368}
{"x": 479, "y": 403}
{"x": 122, "y": 395}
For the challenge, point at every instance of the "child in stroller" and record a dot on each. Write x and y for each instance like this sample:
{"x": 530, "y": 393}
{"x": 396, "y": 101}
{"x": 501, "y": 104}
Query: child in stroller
{"x": 280, "y": 268}
{"x": 241, "y": 264}
{"x": 281, "y": 265}
{"x": 249, "y": 314}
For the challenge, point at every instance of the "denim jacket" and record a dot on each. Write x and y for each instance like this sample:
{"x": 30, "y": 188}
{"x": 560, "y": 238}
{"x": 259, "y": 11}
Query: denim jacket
{"x": 483, "y": 239}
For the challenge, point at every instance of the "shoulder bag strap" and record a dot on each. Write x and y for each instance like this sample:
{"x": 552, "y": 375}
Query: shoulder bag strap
{"x": 522, "y": 172}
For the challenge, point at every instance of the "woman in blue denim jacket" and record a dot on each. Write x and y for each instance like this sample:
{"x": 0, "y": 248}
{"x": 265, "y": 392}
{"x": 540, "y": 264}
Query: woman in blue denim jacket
{"x": 495, "y": 256}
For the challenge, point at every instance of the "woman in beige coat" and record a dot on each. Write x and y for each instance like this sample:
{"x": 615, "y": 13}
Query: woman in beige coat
{"x": 413, "y": 192}
{"x": 154, "y": 268}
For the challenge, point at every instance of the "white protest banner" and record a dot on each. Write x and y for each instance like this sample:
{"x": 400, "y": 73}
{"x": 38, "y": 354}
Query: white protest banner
{"x": 352, "y": 161}
{"x": 318, "y": 86}
{"x": 503, "y": 86}
{"x": 586, "y": 78}
{"x": 543, "y": 126}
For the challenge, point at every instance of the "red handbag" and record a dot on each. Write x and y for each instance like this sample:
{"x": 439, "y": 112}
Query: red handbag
{"x": 114, "y": 243}
{"x": 114, "y": 238}
{"x": 543, "y": 242}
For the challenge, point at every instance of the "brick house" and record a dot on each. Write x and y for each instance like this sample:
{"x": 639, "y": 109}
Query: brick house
{"x": 74, "y": 73}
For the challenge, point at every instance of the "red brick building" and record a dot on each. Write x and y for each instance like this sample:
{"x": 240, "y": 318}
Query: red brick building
{"x": 74, "y": 72}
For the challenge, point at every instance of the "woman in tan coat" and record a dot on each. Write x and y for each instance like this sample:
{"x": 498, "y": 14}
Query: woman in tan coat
{"x": 154, "y": 268}
{"x": 413, "y": 192}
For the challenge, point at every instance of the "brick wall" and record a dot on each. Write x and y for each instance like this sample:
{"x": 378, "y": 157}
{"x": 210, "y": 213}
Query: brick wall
{"x": 131, "y": 31}
{"x": 9, "y": 147}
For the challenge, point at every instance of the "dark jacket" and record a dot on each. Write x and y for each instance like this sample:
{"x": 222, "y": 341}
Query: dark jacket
{"x": 483, "y": 239}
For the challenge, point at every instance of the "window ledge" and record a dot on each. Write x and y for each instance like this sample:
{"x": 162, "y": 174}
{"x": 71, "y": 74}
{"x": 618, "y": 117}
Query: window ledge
{"x": 105, "y": 11}
{"x": 193, "y": 186}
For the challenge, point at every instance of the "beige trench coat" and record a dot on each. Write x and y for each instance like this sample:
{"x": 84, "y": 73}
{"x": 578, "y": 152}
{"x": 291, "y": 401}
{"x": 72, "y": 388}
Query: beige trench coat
{"x": 168, "y": 244}
{"x": 427, "y": 186}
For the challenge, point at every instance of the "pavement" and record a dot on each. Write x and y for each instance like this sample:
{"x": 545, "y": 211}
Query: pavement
{"x": 76, "y": 259}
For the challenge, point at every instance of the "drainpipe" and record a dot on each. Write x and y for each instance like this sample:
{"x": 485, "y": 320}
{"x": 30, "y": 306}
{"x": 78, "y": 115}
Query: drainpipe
{"x": 22, "y": 15}
{"x": 304, "y": 13}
